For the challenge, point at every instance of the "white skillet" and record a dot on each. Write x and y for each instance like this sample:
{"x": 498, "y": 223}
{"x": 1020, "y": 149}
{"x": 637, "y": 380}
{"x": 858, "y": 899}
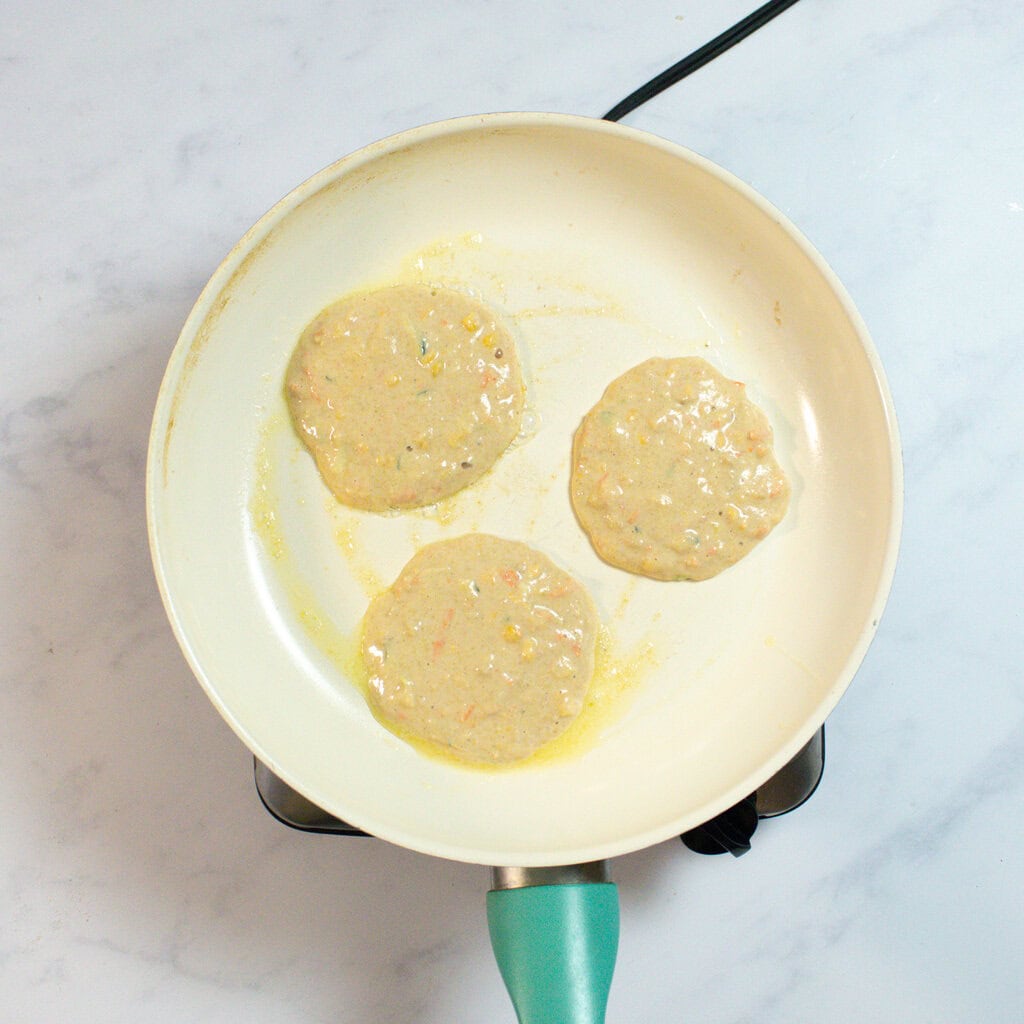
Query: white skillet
{"x": 603, "y": 246}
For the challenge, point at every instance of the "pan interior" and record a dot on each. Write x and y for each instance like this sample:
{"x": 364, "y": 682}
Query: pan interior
{"x": 603, "y": 246}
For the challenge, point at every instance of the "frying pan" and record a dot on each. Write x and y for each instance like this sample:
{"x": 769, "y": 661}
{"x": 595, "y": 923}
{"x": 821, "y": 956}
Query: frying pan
{"x": 601, "y": 245}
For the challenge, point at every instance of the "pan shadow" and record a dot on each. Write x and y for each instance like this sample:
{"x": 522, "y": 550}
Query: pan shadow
{"x": 141, "y": 798}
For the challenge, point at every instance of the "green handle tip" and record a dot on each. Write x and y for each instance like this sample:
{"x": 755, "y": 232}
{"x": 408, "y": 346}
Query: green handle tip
{"x": 556, "y": 947}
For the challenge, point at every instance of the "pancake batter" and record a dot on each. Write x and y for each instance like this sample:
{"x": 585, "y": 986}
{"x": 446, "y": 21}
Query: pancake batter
{"x": 483, "y": 646}
{"x": 673, "y": 472}
{"x": 404, "y": 395}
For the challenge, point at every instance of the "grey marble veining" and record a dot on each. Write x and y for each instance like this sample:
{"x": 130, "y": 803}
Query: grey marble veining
{"x": 139, "y": 877}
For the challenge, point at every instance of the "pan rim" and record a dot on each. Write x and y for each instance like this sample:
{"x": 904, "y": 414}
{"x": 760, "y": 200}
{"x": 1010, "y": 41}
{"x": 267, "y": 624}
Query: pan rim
{"x": 519, "y": 121}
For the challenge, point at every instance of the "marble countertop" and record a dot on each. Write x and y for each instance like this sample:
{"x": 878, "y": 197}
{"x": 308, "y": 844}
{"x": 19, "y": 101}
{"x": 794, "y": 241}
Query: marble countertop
{"x": 140, "y": 879}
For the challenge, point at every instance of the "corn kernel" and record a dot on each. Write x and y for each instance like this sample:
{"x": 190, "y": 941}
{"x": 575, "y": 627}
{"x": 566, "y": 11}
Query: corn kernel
{"x": 435, "y": 370}
{"x": 512, "y": 632}
{"x": 470, "y": 323}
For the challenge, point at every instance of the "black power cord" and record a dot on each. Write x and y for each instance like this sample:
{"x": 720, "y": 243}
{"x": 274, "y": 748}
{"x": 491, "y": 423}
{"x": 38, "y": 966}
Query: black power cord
{"x": 696, "y": 60}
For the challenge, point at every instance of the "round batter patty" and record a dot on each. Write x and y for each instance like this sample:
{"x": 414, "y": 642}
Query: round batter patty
{"x": 483, "y": 646}
{"x": 673, "y": 472}
{"x": 404, "y": 395}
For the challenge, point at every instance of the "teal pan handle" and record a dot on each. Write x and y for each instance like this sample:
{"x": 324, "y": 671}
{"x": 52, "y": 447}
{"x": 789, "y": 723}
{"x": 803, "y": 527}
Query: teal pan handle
{"x": 556, "y": 946}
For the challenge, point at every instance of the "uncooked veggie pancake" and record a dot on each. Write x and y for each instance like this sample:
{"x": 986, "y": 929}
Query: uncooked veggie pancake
{"x": 673, "y": 472}
{"x": 482, "y": 646}
{"x": 404, "y": 395}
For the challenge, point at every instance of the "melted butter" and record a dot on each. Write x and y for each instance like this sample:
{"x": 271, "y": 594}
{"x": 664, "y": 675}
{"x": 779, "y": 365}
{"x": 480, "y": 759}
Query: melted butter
{"x": 346, "y": 538}
{"x": 471, "y": 256}
{"x": 617, "y": 676}
{"x": 798, "y": 663}
{"x": 263, "y": 508}
{"x": 561, "y": 310}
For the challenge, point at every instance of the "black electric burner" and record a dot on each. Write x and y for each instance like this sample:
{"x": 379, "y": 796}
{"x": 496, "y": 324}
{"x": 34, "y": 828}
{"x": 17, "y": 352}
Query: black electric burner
{"x": 729, "y": 832}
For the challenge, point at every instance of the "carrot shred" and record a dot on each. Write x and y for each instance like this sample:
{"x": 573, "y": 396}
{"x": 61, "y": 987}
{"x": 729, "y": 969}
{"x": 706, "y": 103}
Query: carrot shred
{"x": 438, "y": 644}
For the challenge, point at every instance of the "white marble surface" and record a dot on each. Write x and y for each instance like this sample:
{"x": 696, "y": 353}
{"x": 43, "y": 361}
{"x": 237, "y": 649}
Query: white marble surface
{"x": 140, "y": 880}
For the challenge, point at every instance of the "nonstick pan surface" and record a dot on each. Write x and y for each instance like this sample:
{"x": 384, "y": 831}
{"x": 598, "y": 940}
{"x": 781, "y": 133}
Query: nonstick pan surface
{"x": 602, "y": 246}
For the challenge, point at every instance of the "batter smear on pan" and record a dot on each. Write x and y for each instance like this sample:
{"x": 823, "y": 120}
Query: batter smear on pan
{"x": 482, "y": 646}
{"x": 673, "y": 472}
{"x": 404, "y": 395}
